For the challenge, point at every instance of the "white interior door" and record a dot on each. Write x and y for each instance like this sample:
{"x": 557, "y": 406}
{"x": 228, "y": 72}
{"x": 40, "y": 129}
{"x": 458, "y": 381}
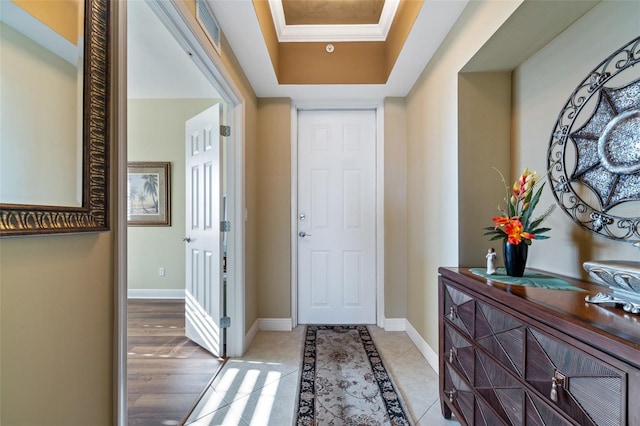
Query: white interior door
{"x": 203, "y": 304}
{"x": 336, "y": 217}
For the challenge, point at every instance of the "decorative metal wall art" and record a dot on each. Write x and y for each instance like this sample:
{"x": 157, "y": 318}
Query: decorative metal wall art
{"x": 592, "y": 177}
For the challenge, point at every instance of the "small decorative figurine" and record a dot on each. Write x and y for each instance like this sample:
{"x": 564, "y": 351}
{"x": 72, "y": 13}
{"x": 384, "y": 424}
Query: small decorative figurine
{"x": 491, "y": 261}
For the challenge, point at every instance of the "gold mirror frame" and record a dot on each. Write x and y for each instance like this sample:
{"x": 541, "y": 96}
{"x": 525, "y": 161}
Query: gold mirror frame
{"x": 92, "y": 216}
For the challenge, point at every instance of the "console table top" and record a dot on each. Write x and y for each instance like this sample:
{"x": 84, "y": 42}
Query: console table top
{"x": 611, "y": 329}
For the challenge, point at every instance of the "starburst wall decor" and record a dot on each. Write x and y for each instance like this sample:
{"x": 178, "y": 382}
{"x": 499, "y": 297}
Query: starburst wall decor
{"x": 596, "y": 178}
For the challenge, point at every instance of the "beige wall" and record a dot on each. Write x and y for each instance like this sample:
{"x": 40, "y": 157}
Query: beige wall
{"x": 273, "y": 215}
{"x": 56, "y": 321}
{"x": 395, "y": 208}
{"x": 484, "y": 130}
{"x": 250, "y": 133}
{"x": 56, "y": 292}
{"x": 57, "y": 310}
{"x": 432, "y": 161}
{"x": 57, "y": 326}
{"x": 459, "y": 128}
{"x": 156, "y": 133}
{"x": 274, "y": 208}
{"x": 542, "y": 86}
{"x": 64, "y": 17}
{"x": 38, "y": 83}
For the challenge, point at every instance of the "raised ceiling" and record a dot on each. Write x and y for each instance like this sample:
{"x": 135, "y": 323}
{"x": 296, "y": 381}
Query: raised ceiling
{"x": 333, "y": 20}
{"x": 329, "y": 53}
{"x": 336, "y": 12}
{"x": 355, "y": 69}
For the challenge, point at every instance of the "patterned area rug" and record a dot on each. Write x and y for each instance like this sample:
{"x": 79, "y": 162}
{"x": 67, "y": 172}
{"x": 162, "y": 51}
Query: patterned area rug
{"x": 344, "y": 382}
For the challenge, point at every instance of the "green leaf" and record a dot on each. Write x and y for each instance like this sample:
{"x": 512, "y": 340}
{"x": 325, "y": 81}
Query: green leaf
{"x": 540, "y": 230}
{"x": 532, "y": 205}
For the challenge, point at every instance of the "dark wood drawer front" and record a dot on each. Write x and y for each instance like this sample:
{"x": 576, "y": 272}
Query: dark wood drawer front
{"x": 459, "y": 394}
{"x": 459, "y": 308}
{"x": 590, "y": 391}
{"x": 459, "y": 352}
{"x": 500, "y": 389}
{"x": 518, "y": 357}
{"x": 539, "y": 413}
{"x": 501, "y": 335}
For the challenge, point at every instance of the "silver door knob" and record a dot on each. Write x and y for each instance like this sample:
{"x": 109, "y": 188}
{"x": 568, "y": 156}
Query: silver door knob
{"x": 303, "y": 234}
{"x": 187, "y": 239}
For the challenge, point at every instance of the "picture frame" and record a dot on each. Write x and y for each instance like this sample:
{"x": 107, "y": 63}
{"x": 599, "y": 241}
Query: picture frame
{"x": 148, "y": 193}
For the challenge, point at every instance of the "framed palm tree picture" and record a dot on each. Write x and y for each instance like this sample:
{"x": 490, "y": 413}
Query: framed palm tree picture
{"x": 148, "y": 194}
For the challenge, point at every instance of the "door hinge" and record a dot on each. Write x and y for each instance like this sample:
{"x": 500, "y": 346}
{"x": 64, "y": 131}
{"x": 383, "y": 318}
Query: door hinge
{"x": 225, "y": 226}
{"x": 225, "y": 322}
{"x": 225, "y": 130}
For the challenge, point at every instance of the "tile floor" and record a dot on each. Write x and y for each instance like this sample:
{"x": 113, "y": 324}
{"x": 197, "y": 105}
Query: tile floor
{"x": 260, "y": 388}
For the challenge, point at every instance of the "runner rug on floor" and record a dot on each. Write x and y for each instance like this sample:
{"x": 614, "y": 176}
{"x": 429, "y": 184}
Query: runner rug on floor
{"x": 344, "y": 382}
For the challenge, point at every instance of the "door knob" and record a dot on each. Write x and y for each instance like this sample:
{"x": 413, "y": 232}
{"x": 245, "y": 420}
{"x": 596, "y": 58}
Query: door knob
{"x": 303, "y": 234}
{"x": 187, "y": 239}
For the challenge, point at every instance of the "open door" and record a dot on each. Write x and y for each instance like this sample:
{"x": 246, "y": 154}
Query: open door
{"x": 203, "y": 242}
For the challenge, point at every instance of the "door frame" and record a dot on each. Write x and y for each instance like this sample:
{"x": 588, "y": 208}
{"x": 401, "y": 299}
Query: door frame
{"x": 186, "y": 30}
{"x": 378, "y": 108}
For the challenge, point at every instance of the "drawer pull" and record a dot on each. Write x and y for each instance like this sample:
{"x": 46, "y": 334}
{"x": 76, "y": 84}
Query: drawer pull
{"x": 558, "y": 379}
{"x": 554, "y": 390}
{"x": 452, "y": 395}
{"x": 452, "y": 354}
{"x": 453, "y": 313}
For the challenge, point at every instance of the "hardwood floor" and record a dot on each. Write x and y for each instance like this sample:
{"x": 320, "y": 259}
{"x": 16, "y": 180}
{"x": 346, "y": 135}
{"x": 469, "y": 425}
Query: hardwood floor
{"x": 166, "y": 372}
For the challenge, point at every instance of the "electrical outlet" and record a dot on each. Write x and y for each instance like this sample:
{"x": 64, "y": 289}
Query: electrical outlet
{"x": 161, "y": 272}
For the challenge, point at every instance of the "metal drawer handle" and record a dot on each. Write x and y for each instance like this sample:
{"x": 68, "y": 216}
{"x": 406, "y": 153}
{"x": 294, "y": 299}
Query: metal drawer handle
{"x": 554, "y": 390}
{"x": 453, "y": 313}
{"x": 558, "y": 379}
{"x": 452, "y": 354}
{"x": 452, "y": 395}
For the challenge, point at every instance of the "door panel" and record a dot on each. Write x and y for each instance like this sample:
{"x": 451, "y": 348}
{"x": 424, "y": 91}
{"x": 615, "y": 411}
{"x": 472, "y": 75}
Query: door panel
{"x": 203, "y": 242}
{"x": 336, "y": 217}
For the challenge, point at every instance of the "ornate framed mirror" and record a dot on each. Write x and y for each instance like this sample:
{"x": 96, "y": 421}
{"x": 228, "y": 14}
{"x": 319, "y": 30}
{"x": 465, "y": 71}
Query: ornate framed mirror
{"x": 87, "y": 55}
{"x": 596, "y": 178}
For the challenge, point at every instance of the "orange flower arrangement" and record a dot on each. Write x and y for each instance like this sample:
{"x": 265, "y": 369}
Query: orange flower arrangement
{"x": 515, "y": 224}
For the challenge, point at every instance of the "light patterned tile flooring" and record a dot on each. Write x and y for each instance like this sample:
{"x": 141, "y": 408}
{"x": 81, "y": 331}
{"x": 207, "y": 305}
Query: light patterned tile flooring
{"x": 260, "y": 388}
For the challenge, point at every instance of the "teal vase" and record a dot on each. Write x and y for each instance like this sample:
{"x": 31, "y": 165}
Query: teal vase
{"x": 515, "y": 258}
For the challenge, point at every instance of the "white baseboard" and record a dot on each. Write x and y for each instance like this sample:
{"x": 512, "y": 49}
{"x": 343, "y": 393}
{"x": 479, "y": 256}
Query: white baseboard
{"x": 395, "y": 324}
{"x": 427, "y": 352}
{"x": 267, "y": 324}
{"x": 275, "y": 324}
{"x": 155, "y": 293}
{"x": 251, "y": 334}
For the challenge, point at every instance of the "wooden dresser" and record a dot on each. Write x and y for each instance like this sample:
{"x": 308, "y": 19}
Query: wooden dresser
{"x": 515, "y": 355}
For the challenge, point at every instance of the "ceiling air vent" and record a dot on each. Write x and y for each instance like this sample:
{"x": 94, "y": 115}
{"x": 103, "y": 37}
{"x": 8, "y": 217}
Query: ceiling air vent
{"x": 208, "y": 22}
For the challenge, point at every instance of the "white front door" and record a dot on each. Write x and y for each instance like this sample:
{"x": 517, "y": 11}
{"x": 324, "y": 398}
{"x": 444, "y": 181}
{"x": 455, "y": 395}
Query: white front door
{"x": 203, "y": 304}
{"x": 337, "y": 217}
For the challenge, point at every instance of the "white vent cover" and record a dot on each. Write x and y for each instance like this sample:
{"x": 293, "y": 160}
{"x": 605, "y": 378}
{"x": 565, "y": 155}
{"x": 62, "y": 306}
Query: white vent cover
{"x": 208, "y": 22}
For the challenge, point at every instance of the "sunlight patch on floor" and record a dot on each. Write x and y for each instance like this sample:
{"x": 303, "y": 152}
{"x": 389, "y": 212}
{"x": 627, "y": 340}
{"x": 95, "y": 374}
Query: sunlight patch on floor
{"x": 264, "y": 407}
{"x": 236, "y": 389}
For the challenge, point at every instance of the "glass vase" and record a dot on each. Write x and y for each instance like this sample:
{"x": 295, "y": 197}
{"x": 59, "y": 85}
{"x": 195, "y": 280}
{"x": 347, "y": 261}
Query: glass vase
{"x": 515, "y": 258}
